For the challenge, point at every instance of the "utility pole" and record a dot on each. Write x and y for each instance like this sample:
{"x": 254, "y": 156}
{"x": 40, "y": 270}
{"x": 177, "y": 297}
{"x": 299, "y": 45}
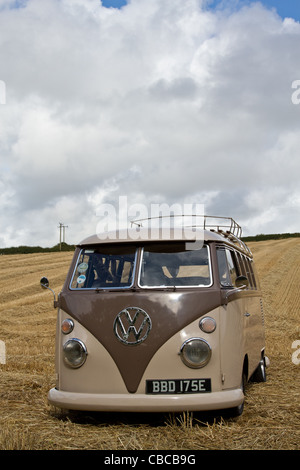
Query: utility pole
{"x": 62, "y": 228}
{"x": 64, "y": 235}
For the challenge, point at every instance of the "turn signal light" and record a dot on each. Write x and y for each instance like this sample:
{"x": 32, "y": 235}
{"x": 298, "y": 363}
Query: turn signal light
{"x": 67, "y": 326}
{"x": 207, "y": 324}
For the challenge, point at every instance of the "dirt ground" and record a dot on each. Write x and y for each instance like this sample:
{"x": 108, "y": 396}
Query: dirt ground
{"x": 271, "y": 419}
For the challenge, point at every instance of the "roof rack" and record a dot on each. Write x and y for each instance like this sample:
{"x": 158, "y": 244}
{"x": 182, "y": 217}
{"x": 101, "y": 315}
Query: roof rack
{"x": 225, "y": 226}
{"x": 208, "y": 222}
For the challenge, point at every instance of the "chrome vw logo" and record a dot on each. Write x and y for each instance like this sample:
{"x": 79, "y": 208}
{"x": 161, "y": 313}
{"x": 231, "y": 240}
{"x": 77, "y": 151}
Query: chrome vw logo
{"x": 132, "y": 325}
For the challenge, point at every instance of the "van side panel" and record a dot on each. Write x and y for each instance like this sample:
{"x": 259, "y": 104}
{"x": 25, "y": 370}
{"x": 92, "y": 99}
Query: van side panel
{"x": 232, "y": 342}
{"x": 254, "y": 328}
{"x": 241, "y": 336}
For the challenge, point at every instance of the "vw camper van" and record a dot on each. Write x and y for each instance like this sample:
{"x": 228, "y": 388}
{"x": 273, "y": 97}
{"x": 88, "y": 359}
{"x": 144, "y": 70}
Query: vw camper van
{"x": 162, "y": 324}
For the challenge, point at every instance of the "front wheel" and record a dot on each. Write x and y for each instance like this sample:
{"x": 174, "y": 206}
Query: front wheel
{"x": 259, "y": 374}
{"x": 238, "y": 410}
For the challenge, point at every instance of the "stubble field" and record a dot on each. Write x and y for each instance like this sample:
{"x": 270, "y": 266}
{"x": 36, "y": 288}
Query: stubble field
{"x": 271, "y": 419}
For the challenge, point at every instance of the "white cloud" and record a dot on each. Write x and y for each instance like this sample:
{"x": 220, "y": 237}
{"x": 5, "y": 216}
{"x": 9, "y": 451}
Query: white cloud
{"x": 159, "y": 101}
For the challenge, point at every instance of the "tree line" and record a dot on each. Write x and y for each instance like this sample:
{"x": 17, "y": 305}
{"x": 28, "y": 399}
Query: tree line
{"x": 23, "y": 249}
{"x": 270, "y": 236}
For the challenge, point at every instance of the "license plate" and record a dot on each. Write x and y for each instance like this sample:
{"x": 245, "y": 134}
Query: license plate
{"x": 177, "y": 386}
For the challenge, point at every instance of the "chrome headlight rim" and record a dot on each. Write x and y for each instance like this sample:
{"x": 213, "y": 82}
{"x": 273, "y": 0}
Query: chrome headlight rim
{"x": 83, "y": 353}
{"x": 187, "y": 361}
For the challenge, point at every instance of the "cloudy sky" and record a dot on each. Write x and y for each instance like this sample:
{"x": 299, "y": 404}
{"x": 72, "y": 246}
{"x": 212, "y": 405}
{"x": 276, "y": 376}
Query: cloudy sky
{"x": 156, "y": 101}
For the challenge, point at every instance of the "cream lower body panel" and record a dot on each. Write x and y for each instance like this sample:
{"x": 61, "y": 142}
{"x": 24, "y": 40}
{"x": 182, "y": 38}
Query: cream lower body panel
{"x": 86, "y": 389}
{"x": 145, "y": 403}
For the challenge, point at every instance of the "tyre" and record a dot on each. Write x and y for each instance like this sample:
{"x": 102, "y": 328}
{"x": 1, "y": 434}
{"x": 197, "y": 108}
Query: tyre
{"x": 259, "y": 374}
{"x": 238, "y": 410}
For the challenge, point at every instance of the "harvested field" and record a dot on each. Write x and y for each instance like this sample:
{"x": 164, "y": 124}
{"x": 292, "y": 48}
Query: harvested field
{"x": 271, "y": 419}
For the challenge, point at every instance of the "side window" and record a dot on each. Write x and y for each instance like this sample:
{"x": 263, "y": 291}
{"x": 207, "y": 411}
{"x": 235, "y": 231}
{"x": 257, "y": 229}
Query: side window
{"x": 223, "y": 268}
{"x": 232, "y": 266}
{"x": 242, "y": 270}
{"x": 252, "y": 274}
{"x": 227, "y": 267}
{"x": 249, "y": 273}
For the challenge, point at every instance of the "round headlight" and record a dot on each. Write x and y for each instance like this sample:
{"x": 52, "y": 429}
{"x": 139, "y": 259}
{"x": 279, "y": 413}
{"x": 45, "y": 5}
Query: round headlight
{"x": 207, "y": 324}
{"x": 75, "y": 352}
{"x": 195, "y": 353}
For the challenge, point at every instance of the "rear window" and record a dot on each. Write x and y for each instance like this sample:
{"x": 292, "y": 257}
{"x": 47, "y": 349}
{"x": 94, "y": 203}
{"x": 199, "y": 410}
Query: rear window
{"x": 165, "y": 265}
{"x": 108, "y": 267}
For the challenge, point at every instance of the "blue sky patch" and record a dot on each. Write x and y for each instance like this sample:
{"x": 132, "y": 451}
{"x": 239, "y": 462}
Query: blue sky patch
{"x": 284, "y": 8}
{"x": 114, "y": 3}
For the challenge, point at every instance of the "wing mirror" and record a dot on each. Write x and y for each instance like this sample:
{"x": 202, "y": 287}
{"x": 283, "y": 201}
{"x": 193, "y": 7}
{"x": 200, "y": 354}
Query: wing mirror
{"x": 44, "y": 282}
{"x": 45, "y": 285}
{"x": 241, "y": 282}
